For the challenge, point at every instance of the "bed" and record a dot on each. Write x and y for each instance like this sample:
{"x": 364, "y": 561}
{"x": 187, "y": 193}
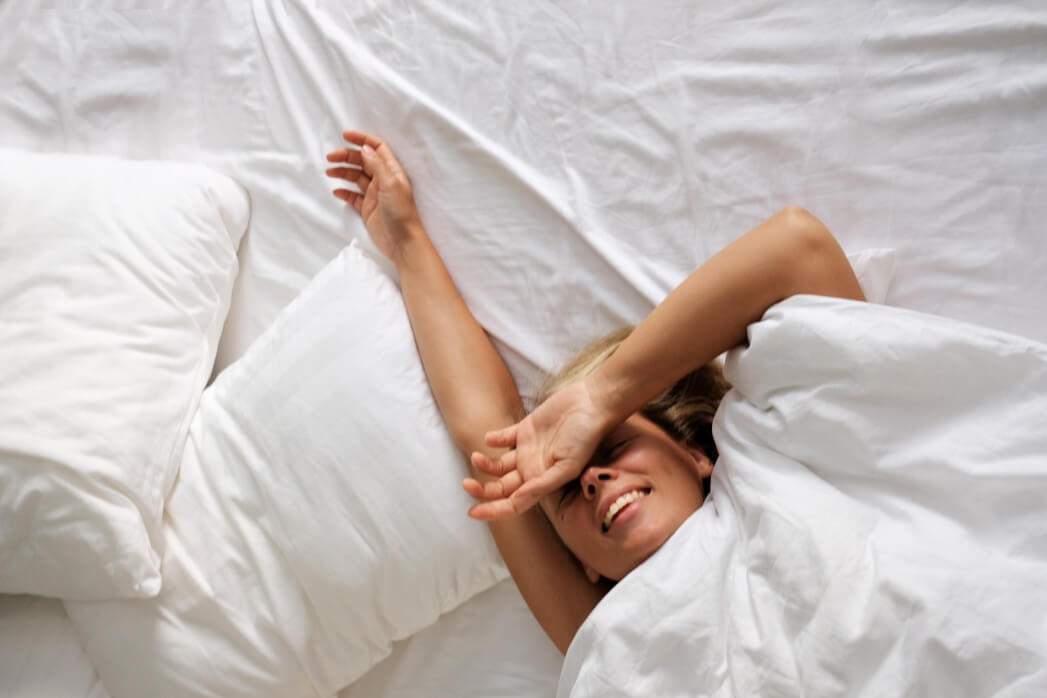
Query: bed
{"x": 572, "y": 163}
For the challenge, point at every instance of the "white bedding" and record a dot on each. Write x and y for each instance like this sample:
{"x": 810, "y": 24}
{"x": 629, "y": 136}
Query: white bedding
{"x": 573, "y": 160}
{"x": 114, "y": 297}
{"x": 876, "y": 525}
{"x": 464, "y": 655}
{"x": 40, "y": 656}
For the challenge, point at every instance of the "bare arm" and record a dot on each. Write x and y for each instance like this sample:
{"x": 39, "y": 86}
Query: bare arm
{"x": 790, "y": 253}
{"x": 475, "y": 394}
{"x": 472, "y": 387}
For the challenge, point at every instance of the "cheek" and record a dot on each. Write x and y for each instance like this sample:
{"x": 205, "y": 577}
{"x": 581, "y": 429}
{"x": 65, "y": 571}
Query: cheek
{"x": 685, "y": 499}
{"x": 574, "y": 525}
{"x": 639, "y": 460}
{"x": 576, "y": 532}
{"x": 677, "y": 477}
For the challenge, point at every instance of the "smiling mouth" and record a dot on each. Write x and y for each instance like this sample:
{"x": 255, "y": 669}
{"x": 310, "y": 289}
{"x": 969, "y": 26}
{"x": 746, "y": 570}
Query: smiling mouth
{"x": 620, "y": 504}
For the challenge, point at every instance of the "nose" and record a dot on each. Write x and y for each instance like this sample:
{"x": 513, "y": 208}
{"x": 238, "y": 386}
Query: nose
{"x": 594, "y": 475}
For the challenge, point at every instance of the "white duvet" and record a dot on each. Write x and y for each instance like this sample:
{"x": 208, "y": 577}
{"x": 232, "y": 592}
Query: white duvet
{"x": 573, "y": 160}
{"x": 877, "y": 524}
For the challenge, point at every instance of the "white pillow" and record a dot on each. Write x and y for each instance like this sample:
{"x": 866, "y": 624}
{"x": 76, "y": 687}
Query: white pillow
{"x": 318, "y": 515}
{"x": 874, "y": 269}
{"x": 115, "y": 279}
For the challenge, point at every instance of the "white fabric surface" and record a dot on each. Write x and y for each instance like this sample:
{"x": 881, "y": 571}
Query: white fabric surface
{"x": 463, "y": 654}
{"x": 574, "y": 160}
{"x": 875, "y": 528}
{"x": 115, "y": 278}
{"x": 318, "y": 515}
{"x": 592, "y": 154}
{"x": 40, "y": 655}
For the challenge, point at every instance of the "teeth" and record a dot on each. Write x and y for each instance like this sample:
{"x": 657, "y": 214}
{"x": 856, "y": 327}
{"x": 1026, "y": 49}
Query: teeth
{"x": 619, "y": 504}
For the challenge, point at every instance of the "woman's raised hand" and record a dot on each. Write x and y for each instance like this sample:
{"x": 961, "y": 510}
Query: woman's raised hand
{"x": 549, "y": 448}
{"x": 385, "y": 201}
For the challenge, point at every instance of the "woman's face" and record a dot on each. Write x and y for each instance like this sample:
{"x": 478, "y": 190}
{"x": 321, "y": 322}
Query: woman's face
{"x": 636, "y": 491}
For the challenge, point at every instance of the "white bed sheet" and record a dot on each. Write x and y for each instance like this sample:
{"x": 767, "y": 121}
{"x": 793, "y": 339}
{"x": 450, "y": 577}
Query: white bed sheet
{"x": 40, "y": 655}
{"x": 573, "y": 161}
{"x": 470, "y": 641}
{"x": 594, "y": 154}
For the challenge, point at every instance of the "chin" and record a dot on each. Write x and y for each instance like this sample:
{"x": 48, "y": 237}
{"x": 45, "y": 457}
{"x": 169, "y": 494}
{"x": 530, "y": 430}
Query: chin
{"x": 646, "y": 540}
{"x": 619, "y": 574}
{"x": 639, "y": 551}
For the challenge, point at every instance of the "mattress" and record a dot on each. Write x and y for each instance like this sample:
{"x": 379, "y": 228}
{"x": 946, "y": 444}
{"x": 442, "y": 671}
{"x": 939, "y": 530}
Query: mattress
{"x": 572, "y": 162}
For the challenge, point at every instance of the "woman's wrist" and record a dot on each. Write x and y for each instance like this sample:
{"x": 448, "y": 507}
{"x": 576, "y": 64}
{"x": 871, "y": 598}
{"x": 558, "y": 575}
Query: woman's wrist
{"x": 412, "y": 243}
{"x": 609, "y": 396}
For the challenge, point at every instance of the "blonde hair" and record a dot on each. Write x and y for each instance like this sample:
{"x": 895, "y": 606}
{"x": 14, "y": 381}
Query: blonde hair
{"x": 684, "y": 411}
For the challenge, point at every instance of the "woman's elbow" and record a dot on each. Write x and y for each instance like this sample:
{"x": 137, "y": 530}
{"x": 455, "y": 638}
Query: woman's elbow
{"x": 469, "y": 433}
{"x": 821, "y": 266}
{"x": 810, "y": 236}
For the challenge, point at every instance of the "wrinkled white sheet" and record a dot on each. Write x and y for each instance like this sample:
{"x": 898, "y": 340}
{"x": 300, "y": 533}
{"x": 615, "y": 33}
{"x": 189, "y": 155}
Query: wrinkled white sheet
{"x": 40, "y": 655}
{"x": 575, "y": 159}
{"x": 877, "y": 524}
{"x": 489, "y": 647}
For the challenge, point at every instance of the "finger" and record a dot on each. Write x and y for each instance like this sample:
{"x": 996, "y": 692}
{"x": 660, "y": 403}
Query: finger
{"x": 473, "y": 487}
{"x": 350, "y": 197}
{"x": 373, "y": 165}
{"x": 385, "y": 153}
{"x": 506, "y": 463}
{"x": 360, "y": 138}
{"x": 503, "y": 486}
{"x": 349, "y": 173}
{"x": 490, "y": 511}
{"x": 380, "y": 147}
{"x": 363, "y": 181}
{"x": 351, "y": 156}
{"x": 481, "y": 461}
{"x": 506, "y": 438}
{"x": 551, "y": 480}
{"x": 380, "y": 163}
{"x": 493, "y": 489}
{"x": 499, "y": 466}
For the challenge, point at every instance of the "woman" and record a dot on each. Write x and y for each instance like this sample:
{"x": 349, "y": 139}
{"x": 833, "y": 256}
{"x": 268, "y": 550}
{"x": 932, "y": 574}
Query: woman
{"x": 612, "y": 511}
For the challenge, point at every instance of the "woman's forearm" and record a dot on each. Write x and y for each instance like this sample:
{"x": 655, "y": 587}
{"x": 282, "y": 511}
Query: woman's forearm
{"x": 475, "y": 393}
{"x": 790, "y": 253}
{"x": 471, "y": 384}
